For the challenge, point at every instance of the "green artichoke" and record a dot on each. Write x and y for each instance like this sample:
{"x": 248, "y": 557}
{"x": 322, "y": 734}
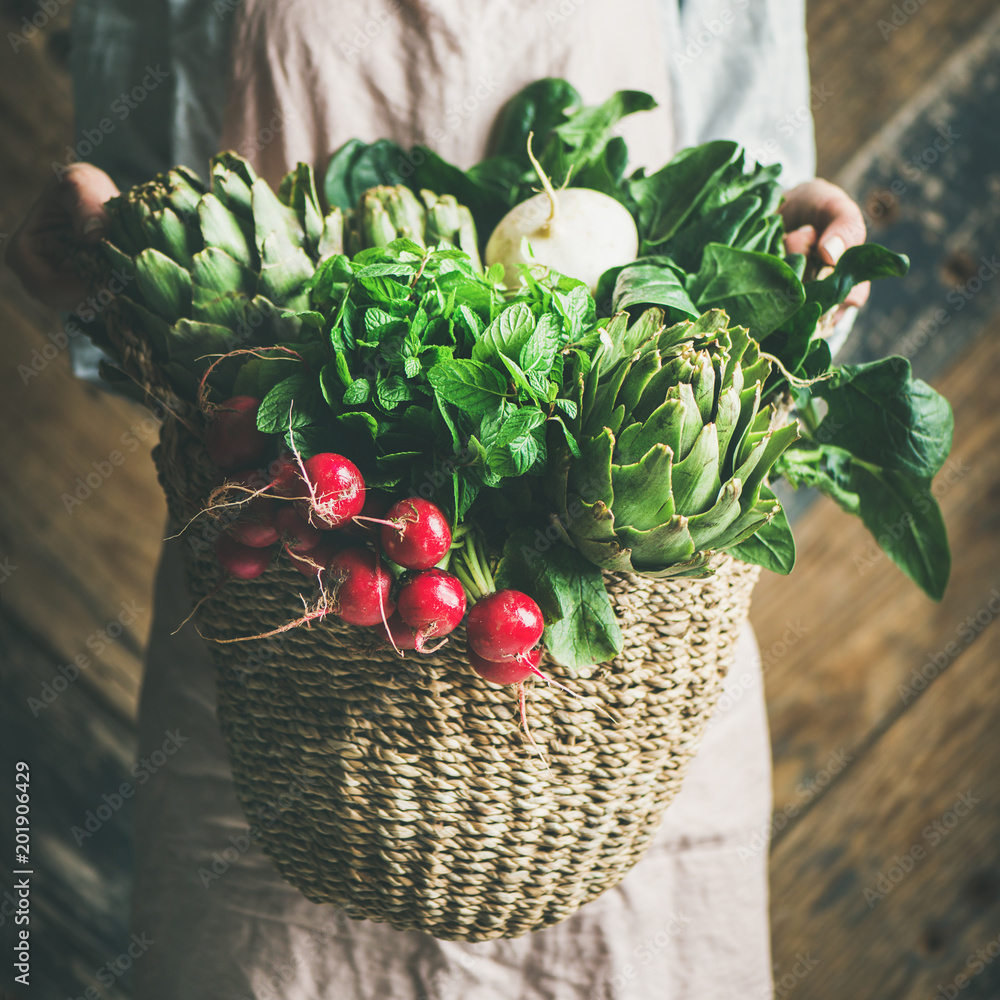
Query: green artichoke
{"x": 387, "y": 213}
{"x": 674, "y": 446}
{"x": 209, "y": 271}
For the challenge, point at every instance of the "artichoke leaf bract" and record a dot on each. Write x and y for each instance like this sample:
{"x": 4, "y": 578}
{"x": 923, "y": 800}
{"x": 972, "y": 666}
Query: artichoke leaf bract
{"x": 234, "y": 258}
{"x": 674, "y": 448}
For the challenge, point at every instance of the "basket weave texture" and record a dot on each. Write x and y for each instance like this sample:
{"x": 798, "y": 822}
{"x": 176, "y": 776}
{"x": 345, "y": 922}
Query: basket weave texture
{"x": 402, "y": 789}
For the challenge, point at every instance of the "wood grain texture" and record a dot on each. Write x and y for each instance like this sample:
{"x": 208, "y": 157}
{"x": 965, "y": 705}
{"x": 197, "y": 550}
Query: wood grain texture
{"x": 77, "y": 753}
{"x": 871, "y": 69}
{"x": 929, "y": 185}
{"x": 845, "y": 630}
{"x": 892, "y": 883}
{"x": 83, "y": 566}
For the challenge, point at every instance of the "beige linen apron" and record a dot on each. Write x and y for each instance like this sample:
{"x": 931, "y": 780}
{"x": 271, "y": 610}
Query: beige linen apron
{"x": 307, "y": 76}
{"x": 690, "y": 920}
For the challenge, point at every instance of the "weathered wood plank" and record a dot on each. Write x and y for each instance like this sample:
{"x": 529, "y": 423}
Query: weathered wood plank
{"x": 929, "y": 185}
{"x": 845, "y": 630}
{"x": 75, "y": 571}
{"x": 92, "y": 560}
{"x": 871, "y": 69}
{"x": 892, "y": 882}
{"x": 78, "y": 752}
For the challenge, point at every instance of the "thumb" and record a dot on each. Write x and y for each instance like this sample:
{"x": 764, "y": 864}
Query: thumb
{"x": 846, "y": 228}
{"x": 82, "y": 191}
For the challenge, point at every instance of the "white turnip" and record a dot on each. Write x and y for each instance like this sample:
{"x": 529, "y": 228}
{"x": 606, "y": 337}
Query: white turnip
{"x": 576, "y": 231}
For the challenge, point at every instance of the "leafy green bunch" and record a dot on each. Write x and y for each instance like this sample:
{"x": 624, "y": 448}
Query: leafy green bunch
{"x": 423, "y": 371}
{"x": 710, "y": 237}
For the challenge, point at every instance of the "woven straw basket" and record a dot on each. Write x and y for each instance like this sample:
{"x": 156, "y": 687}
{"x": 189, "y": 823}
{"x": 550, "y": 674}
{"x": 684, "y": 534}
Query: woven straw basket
{"x": 402, "y": 789}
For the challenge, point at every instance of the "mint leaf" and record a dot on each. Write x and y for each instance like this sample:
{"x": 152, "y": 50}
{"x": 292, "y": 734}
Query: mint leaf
{"x": 357, "y": 392}
{"x": 471, "y": 386}
{"x": 539, "y": 350}
{"x": 518, "y": 444}
{"x": 299, "y": 393}
{"x": 506, "y": 335}
{"x": 393, "y": 390}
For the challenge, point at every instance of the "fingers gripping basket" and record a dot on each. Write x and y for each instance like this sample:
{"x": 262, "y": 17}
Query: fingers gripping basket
{"x": 402, "y": 790}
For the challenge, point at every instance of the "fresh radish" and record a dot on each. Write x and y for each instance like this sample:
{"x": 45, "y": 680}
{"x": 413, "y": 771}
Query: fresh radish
{"x": 316, "y": 559}
{"x": 286, "y": 477}
{"x": 298, "y": 535}
{"x": 232, "y": 438}
{"x": 366, "y": 524}
{"x": 507, "y": 671}
{"x": 247, "y": 481}
{"x": 256, "y": 525}
{"x": 504, "y": 625}
{"x": 333, "y": 492}
{"x": 433, "y": 603}
{"x": 361, "y": 587}
{"x": 576, "y": 231}
{"x": 399, "y": 634}
{"x": 241, "y": 561}
{"x": 415, "y": 534}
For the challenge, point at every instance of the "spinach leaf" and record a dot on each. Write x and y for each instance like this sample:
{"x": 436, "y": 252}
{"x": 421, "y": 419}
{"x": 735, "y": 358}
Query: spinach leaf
{"x": 771, "y": 546}
{"x": 903, "y": 515}
{"x": 883, "y": 415}
{"x": 586, "y": 132}
{"x": 664, "y": 199}
{"x": 897, "y": 507}
{"x": 867, "y": 262}
{"x": 358, "y": 166}
{"x": 653, "y": 281}
{"x": 581, "y": 629}
{"x": 539, "y": 107}
{"x": 757, "y": 290}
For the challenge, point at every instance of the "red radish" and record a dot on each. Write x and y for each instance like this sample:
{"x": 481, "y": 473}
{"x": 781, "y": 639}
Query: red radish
{"x": 316, "y": 559}
{"x": 399, "y": 634}
{"x": 504, "y": 625}
{"x": 334, "y": 491}
{"x": 250, "y": 479}
{"x": 298, "y": 535}
{"x": 241, "y": 561}
{"x": 415, "y": 533}
{"x": 376, "y": 504}
{"x": 286, "y": 477}
{"x": 361, "y": 586}
{"x": 508, "y": 671}
{"x": 433, "y": 603}
{"x": 255, "y": 525}
{"x": 231, "y": 496}
{"x": 232, "y": 438}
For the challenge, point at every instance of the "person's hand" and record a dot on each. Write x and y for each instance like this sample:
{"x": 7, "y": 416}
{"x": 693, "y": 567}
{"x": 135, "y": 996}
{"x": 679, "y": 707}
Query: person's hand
{"x": 69, "y": 208}
{"x": 822, "y": 221}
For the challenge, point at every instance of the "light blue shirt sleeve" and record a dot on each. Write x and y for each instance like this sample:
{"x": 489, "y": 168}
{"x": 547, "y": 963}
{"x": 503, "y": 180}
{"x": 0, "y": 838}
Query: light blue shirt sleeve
{"x": 740, "y": 70}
